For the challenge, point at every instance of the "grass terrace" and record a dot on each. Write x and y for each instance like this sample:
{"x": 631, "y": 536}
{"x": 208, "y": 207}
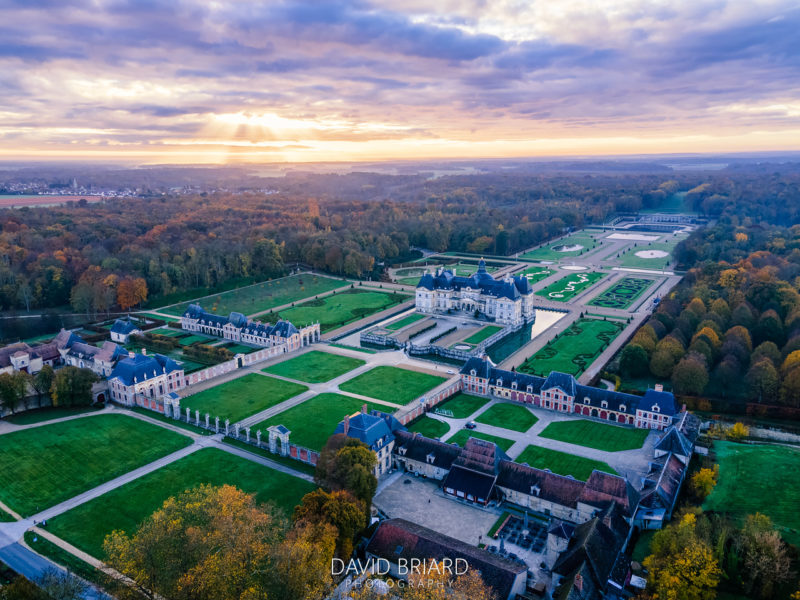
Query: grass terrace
{"x": 462, "y": 405}
{"x": 463, "y": 436}
{"x": 564, "y": 248}
{"x": 656, "y": 255}
{"x": 262, "y": 296}
{"x": 44, "y": 466}
{"x": 430, "y": 428}
{"x": 339, "y": 309}
{"x": 315, "y": 366}
{"x": 570, "y": 286}
{"x": 405, "y": 321}
{"x": 758, "y": 478}
{"x": 314, "y": 421}
{"x": 575, "y": 349}
{"x": 392, "y": 384}
{"x": 562, "y": 463}
{"x": 515, "y": 417}
{"x": 126, "y": 507}
{"x": 600, "y": 436}
{"x": 240, "y": 398}
{"x": 482, "y": 334}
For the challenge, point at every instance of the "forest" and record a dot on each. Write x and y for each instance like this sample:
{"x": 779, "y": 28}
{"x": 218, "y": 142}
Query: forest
{"x": 130, "y": 252}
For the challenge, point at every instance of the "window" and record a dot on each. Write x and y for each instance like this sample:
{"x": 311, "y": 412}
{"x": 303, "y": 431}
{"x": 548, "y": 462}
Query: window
{"x": 604, "y": 404}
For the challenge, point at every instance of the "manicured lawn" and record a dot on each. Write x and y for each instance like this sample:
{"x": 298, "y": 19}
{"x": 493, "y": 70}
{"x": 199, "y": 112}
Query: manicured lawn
{"x": 575, "y": 349}
{"x": 392, "y": 384}
{"x": 535, "y": 274}
{"x": 126, "y": 507}
{"x": 46, "y": 414}
{"x": 758, "y": 478}
{"x": 570, "y": 286}
{"x": 194, "y": 339}
{"x": 242, "y": 397}
{"x": 5, "y": 517}
{"x": 174, "y": 422}
{"x": 314, "y": 421}
{"x": 562, "y": 463}
{"x": 508, "y": 416}
{"x": 591, "y": 434}
{"x": 462, "y": 436}
{"x": 262, "y": 296}
{"x": 239, "y": 348}
{"x": 482, "y": 334}
{"x": 342, "y": 308}
{"x": 430, "y": 428}
{"x": 623, "y": 293}
{"x": 357, "y": 348}
{"x": 315, "y": 366}
{"x": 629, "y": 258}
{"x": 44, "y": 466}
{"x": 462, "y": 405}
{"x": 548, "y": 252}
{"x": 405, "y": 321}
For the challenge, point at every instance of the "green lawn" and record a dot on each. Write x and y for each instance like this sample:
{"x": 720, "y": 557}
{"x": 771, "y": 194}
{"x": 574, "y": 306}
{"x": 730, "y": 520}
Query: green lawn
{"x": 629, "y": 258}
{"x": 508, "y": 416}
{"x": 5, "y": 517}
{"x": 462, "y": 436}
{"x": 430, "y": 428}
{"x": 242, "y": 397}
{"x": 562, "y": 463}
{"x": 623, "y": 293}
{"x": 758, "y": 478}
{"x": 262, "y": 296}
{"x": 315, "y": 366}
{"x": 44, "y": 466}
{"x": 124, "y": 508}
{"x": 574, "y": 349}
{"x": 482, "y": 334}
{"x": 535, "y": 274}
{"x": 314, "y": 421}
{"x": 570, "y": 286}
{"x": 547, "y": 252}
{"x": 591, "y": 434}
{"x": 46, "y": 414}
{"x": 462, "y": 405}
{"x": 345, "y": 307}
{"x": 405, "y": 321}
{"x": 392, "y": 384}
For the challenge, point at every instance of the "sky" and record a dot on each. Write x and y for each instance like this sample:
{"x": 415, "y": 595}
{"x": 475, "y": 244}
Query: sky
{"x": 177, "y": 81}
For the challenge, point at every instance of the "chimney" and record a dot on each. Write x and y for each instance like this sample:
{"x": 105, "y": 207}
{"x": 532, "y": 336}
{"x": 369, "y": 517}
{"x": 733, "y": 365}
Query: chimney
{"x": 131, "y": 355}
{"x": 346, "y": 424}
{"x": 364, "y": 409}
{"x": 144, "y": 351}
{"x": 658, "y": 387}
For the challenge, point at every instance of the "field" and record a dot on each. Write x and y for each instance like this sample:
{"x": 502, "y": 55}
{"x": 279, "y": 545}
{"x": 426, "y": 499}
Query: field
{"x": 758, "y": 478}
{"x": 242, "y": 397}
{"x": 392, "y": 384}
{"x": 562, "y": 463}
{"x": 508, "y": 416}
{"x": 575, "y": 349}
{"x": 482, "y": 334}
{"x": 587, "y": 241}
{"x": 535, "y": 274}
{"x": 591, "y": 434}
{"x": 261, "y": 296}
{"x": 570, "y": 286}
{"x": 430, "y": 428}
{"x": 46, "y": 414}
{"x": 313, "y": 421}
{"x": 405, "y": 321}
{"x": 462, "y": 436}
{"x": 47, "y": 465}
{"x": 342, "y": 308}
{"x": 124, "y": 508}
{"x": 623, "y": 293}
{"x": 462, "y": 405}
{"x": 315, "y": 366}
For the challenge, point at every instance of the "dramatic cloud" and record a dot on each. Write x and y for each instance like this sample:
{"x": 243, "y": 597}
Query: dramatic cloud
{"x": 193, "y": 81}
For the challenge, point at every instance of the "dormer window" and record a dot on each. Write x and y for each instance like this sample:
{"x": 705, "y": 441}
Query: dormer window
{"x": 535, "y": 489}
{"x": 473, "y": 372}
{"x": 514, "y": 385}
{"x": 586, "y": 400}
{"x": 604, "y": 404}
{"x": 623, "y": 408}
{"x": 402, "y": 450}
{"x": 529, "y": 389}
{"x": 500, "y": 382}
{"x": 655, "y": 408}
{"x": 430, "y": 458}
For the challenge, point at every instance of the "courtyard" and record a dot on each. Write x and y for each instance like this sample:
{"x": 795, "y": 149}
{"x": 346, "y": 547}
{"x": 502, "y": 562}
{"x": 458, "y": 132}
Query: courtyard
{"x": 392, "y": 384}
{"x": 315, "y": 366}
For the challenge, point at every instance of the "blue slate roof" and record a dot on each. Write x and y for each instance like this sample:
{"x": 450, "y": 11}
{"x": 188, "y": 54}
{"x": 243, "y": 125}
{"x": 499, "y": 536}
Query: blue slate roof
{"x": 371, "y": 428}
{"x": 124, "y": 326}
{"x": 665, "y": 402}
{"x": 481, "y": 279}
{"x": 238, "y": 320}
{"x": 673, "y": 441}
{"x": 142, "y": 367}
{"x": 563, "y": 381}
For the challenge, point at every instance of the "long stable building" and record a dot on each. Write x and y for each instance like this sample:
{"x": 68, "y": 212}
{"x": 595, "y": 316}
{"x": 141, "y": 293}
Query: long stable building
{"x": 507, "y": 301}
{"x": 561, "y": 392}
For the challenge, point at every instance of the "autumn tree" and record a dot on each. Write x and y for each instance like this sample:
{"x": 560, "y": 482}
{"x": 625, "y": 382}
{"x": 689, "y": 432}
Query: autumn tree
{"x": 345, "y": 463}
{"x": 43, "y": 381}
{"x": 301, "y": 564}
{"x": 763, "y": 381}
{"x": 767, "y": 564}
{"x": 633, "y": 361}
{"x": 703, "y": 481}
{"x": 435, "y": 584}
{"x": 72, "y": 386}
{"x": 338, "y": 508}
{"x": 13, "y": 388}
{"x": 737, "y": 432}
{"x": 690, "y": 375}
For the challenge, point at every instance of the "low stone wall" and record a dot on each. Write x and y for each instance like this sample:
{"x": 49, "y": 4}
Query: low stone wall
{"x": 239, "y": 361}
{"x": 425, "y": 403}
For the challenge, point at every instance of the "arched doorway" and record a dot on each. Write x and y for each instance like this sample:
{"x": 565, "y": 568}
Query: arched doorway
{"x": 594, "y": 412}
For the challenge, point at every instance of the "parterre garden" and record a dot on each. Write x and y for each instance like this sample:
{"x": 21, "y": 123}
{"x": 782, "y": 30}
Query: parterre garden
{"x": 555, "y": 251}
{"x": 591, "y": 434}
{"x": 562, "y": 463}
{"x": 240, "y": 398}
{"x": 126, "y": 507}
{"x": 570, "y": 286}
{"x": 345, "y": 307}
{"x": 535, "y": 274}
{"x": 758, "y": 478}
{"x": 315, "y": 366}
{"x": 262, "y": 296}
{"x": 314, "y": 421}
{"x": 575, "y": 349}
{"x": 392, "y": 384}
{"x": 623, "y": 293}
{"x": 46, "y": 465}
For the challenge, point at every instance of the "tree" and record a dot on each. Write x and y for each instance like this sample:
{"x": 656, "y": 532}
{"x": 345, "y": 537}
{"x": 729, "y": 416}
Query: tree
{"x": 690, "y": 376}
{"x": 139, "y": 290}
{"x": 339, "y": 509}
{"x": 72, "y": 387}
{"x": 766, "y": 350}
{"x": 790, "y": 388}
{"x": 662, "y": 363}
{"x": 703, "y": 482}
{"x": 767, "y": 564}
{"x": 62, "y": 585}
{"x": 737, "y": 432}
{"x": 13, "y": 387}
{"x": 43, "y": 381}
{"x": 126, "y": 297}
{"x": 301, "y": 564}
{"x": 763, "y": 381}
{"x": 634, "y": 361}
{"x": 23, "y": 589}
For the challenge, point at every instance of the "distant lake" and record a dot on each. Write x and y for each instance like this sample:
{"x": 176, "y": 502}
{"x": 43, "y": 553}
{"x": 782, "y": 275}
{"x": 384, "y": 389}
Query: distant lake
{"x": 13, "y": 329}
